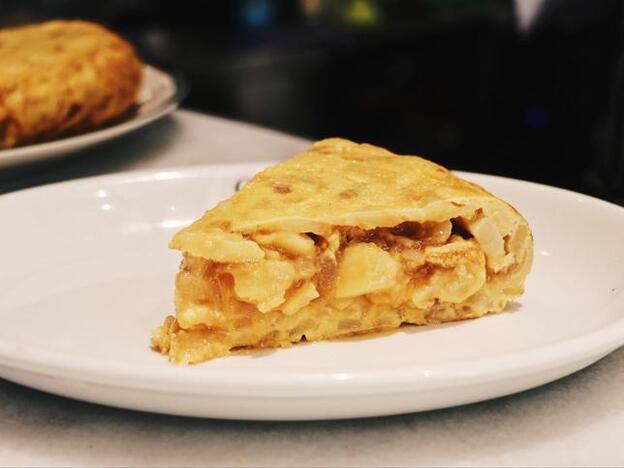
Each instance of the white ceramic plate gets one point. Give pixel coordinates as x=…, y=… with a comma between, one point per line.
x=159, y=95
x=86, y=275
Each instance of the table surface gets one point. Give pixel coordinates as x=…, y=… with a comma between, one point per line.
x=577, y=421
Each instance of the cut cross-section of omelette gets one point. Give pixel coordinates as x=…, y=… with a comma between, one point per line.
x=342, y=239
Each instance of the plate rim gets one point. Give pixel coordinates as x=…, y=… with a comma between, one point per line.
x=399, y=379
x=15, y=157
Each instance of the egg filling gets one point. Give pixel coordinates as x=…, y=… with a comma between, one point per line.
x=272, y=289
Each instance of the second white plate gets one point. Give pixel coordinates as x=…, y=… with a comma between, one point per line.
x=86, y=275
x=159, y=95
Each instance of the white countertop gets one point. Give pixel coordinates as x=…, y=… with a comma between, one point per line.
x=577, y=421
x=186, y=138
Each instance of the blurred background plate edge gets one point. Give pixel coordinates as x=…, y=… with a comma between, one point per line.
x=160, y=94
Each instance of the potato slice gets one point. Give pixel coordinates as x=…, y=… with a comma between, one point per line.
x=365, y=268
x=299, y=299
x=288, y=242
x=218, y=246
x=458, y=271
x=489, y=238
x=263, y=283
x=195, y=314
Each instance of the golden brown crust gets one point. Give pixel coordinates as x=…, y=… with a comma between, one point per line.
x=62, y=77
x=339, y=182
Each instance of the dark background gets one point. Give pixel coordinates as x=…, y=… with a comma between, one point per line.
x=458, y=81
